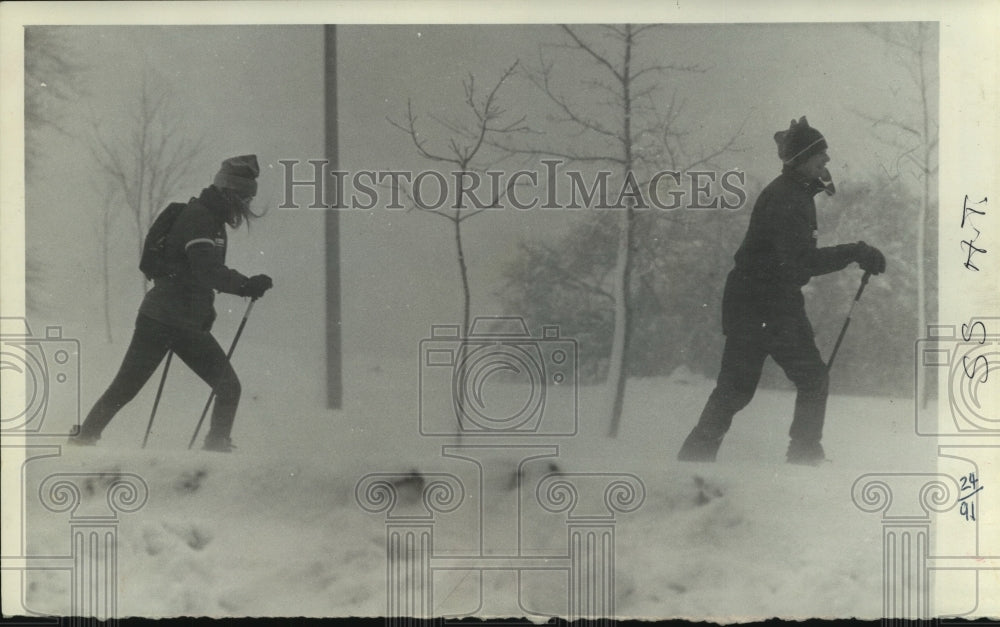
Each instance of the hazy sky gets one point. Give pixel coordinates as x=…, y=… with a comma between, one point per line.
x=259, y=89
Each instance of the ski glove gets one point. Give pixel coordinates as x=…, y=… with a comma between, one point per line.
x=870, y=258
x=255, y=286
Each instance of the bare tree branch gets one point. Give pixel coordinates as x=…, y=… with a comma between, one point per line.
x=885, y=120
x=465, y=146
x=152, y=160
x=411, y=130
x=602, y=60
x=571, y=115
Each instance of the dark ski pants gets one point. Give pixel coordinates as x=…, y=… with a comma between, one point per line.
x=150, y=343
x=742, y=364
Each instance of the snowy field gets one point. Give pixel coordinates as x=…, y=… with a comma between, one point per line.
x=276, y=529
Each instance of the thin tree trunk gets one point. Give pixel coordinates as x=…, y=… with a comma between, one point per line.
x=463, y=271
x=106, y=272
x=466, y=311
x=617, y=368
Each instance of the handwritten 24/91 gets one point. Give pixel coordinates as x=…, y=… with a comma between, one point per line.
x=968, y=483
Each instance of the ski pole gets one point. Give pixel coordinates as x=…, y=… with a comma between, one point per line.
x=229, y=355
x=156, y=402
x=843, y=330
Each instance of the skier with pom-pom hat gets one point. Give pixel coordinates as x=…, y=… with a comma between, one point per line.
x=763, y=310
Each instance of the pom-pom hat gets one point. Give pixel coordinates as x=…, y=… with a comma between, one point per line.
x=799, y=142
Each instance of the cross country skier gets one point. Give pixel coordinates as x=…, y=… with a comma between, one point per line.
x=177, y=313
x=763, y=311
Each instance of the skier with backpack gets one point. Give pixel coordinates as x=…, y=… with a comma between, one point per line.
x=763, y=310
x=184, y=255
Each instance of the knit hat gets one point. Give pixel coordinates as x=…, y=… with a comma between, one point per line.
x=239, y=174
x=799, y=142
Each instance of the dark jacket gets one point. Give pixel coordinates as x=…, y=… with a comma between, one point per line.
x=777, y=257
x=197, y=245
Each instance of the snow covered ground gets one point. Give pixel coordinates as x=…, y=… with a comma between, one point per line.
x=276, y=529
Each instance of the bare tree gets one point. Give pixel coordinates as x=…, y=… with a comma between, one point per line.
x=615, y=121
x=914, y=138
x=149, y=158
x=463, y=153
x=106, y=238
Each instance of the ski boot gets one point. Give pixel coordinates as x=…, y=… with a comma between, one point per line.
x=805, y=453
x=700, y=446
x=78, y=438
x=218, y=444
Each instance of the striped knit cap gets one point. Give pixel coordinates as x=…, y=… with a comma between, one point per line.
x=799, y=142
x=239, y=174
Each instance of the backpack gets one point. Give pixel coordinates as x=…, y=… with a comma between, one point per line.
x=153, y=262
